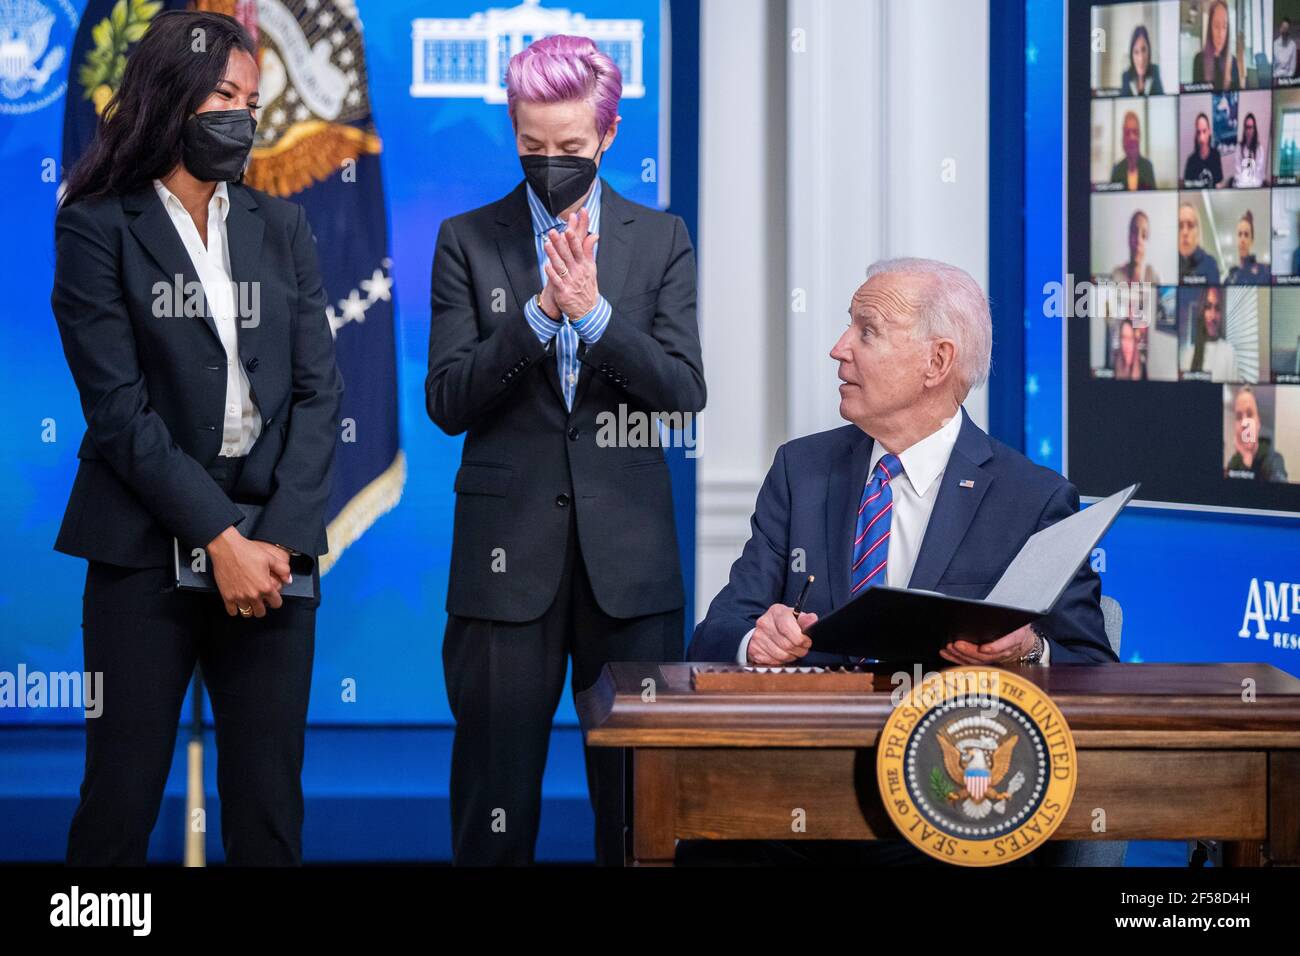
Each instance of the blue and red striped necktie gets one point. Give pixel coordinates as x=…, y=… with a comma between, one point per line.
x=871, y=532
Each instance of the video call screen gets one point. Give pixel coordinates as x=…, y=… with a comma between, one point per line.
x=1183, y=247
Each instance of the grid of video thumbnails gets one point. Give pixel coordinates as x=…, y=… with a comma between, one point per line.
x=1194, y=246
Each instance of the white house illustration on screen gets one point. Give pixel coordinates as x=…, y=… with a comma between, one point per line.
x=468, y=57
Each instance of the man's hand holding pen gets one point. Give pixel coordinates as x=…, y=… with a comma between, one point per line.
x=779, y=636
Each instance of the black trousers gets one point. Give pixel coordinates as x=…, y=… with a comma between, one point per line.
x=145, y=638
x=504, y=681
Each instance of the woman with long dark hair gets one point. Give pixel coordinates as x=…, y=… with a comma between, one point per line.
x=1129, y=362
x=1209, y=351
x=193, y=321
x=1252, y=157
x=1214, y=63
x=1142, y=78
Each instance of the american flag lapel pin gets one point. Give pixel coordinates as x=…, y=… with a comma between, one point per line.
x=966, y=483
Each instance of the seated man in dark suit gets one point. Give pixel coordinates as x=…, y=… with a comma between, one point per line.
x=910, y=494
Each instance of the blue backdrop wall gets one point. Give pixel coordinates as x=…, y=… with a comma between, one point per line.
x=377, y=758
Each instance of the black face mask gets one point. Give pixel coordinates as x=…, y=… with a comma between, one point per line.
x=559, y=181
x=215, y=144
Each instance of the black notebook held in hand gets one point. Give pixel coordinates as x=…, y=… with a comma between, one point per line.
x=898, y=624
x=184, y=559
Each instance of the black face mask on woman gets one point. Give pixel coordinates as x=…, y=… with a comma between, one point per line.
x=559, y=181
x=215, y=145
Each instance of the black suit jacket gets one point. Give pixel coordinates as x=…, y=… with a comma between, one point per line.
x=1146, y=173
x=1154, y=86
x=527, y=460
x=153, y=388
x=810, y=500
x=1228, y=79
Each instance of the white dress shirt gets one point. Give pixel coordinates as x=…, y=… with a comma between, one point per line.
x=1250, y=169
x=1284, y=58
x=915, y=492
x=242, y=422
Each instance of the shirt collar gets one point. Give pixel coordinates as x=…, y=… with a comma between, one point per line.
x=172, y=202
x=926, y=460
x=544, y=222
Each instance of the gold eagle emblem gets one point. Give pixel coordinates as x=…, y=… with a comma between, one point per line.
x=957, y=763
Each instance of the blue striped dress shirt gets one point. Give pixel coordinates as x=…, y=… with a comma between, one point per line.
x=570, y=332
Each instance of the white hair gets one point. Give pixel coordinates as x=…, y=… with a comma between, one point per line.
x=954, y=307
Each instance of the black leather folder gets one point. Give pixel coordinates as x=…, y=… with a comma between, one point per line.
x=899, y=624
x=185, y=560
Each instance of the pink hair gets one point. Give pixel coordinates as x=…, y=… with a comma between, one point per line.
x=560, y=68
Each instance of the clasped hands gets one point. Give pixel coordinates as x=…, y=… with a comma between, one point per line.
x=571, y=287
x=780, y=639
x=249, y=574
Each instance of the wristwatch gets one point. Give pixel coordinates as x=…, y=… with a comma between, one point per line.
x=541, y=309
x=1035, y=655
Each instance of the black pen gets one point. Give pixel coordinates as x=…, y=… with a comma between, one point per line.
x=798, y=605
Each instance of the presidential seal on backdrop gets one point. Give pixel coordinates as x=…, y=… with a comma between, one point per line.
x=976, y=766
x=33, y=44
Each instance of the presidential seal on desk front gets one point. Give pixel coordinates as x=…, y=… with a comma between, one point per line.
x=976, y=766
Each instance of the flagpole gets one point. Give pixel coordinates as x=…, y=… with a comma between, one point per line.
x=195, y=851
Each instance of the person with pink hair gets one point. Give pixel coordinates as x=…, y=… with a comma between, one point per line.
x=563, y=336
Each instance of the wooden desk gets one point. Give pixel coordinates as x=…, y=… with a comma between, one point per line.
x=1168, y=751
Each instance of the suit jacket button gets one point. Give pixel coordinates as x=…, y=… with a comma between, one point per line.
x=251, y=364
x=573, y=434
x=562, y=501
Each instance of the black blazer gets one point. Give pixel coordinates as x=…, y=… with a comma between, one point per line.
x=153, y=389
x=1154, y=86
x=1146, y=173
x=527, y=460
x=1228, y=79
